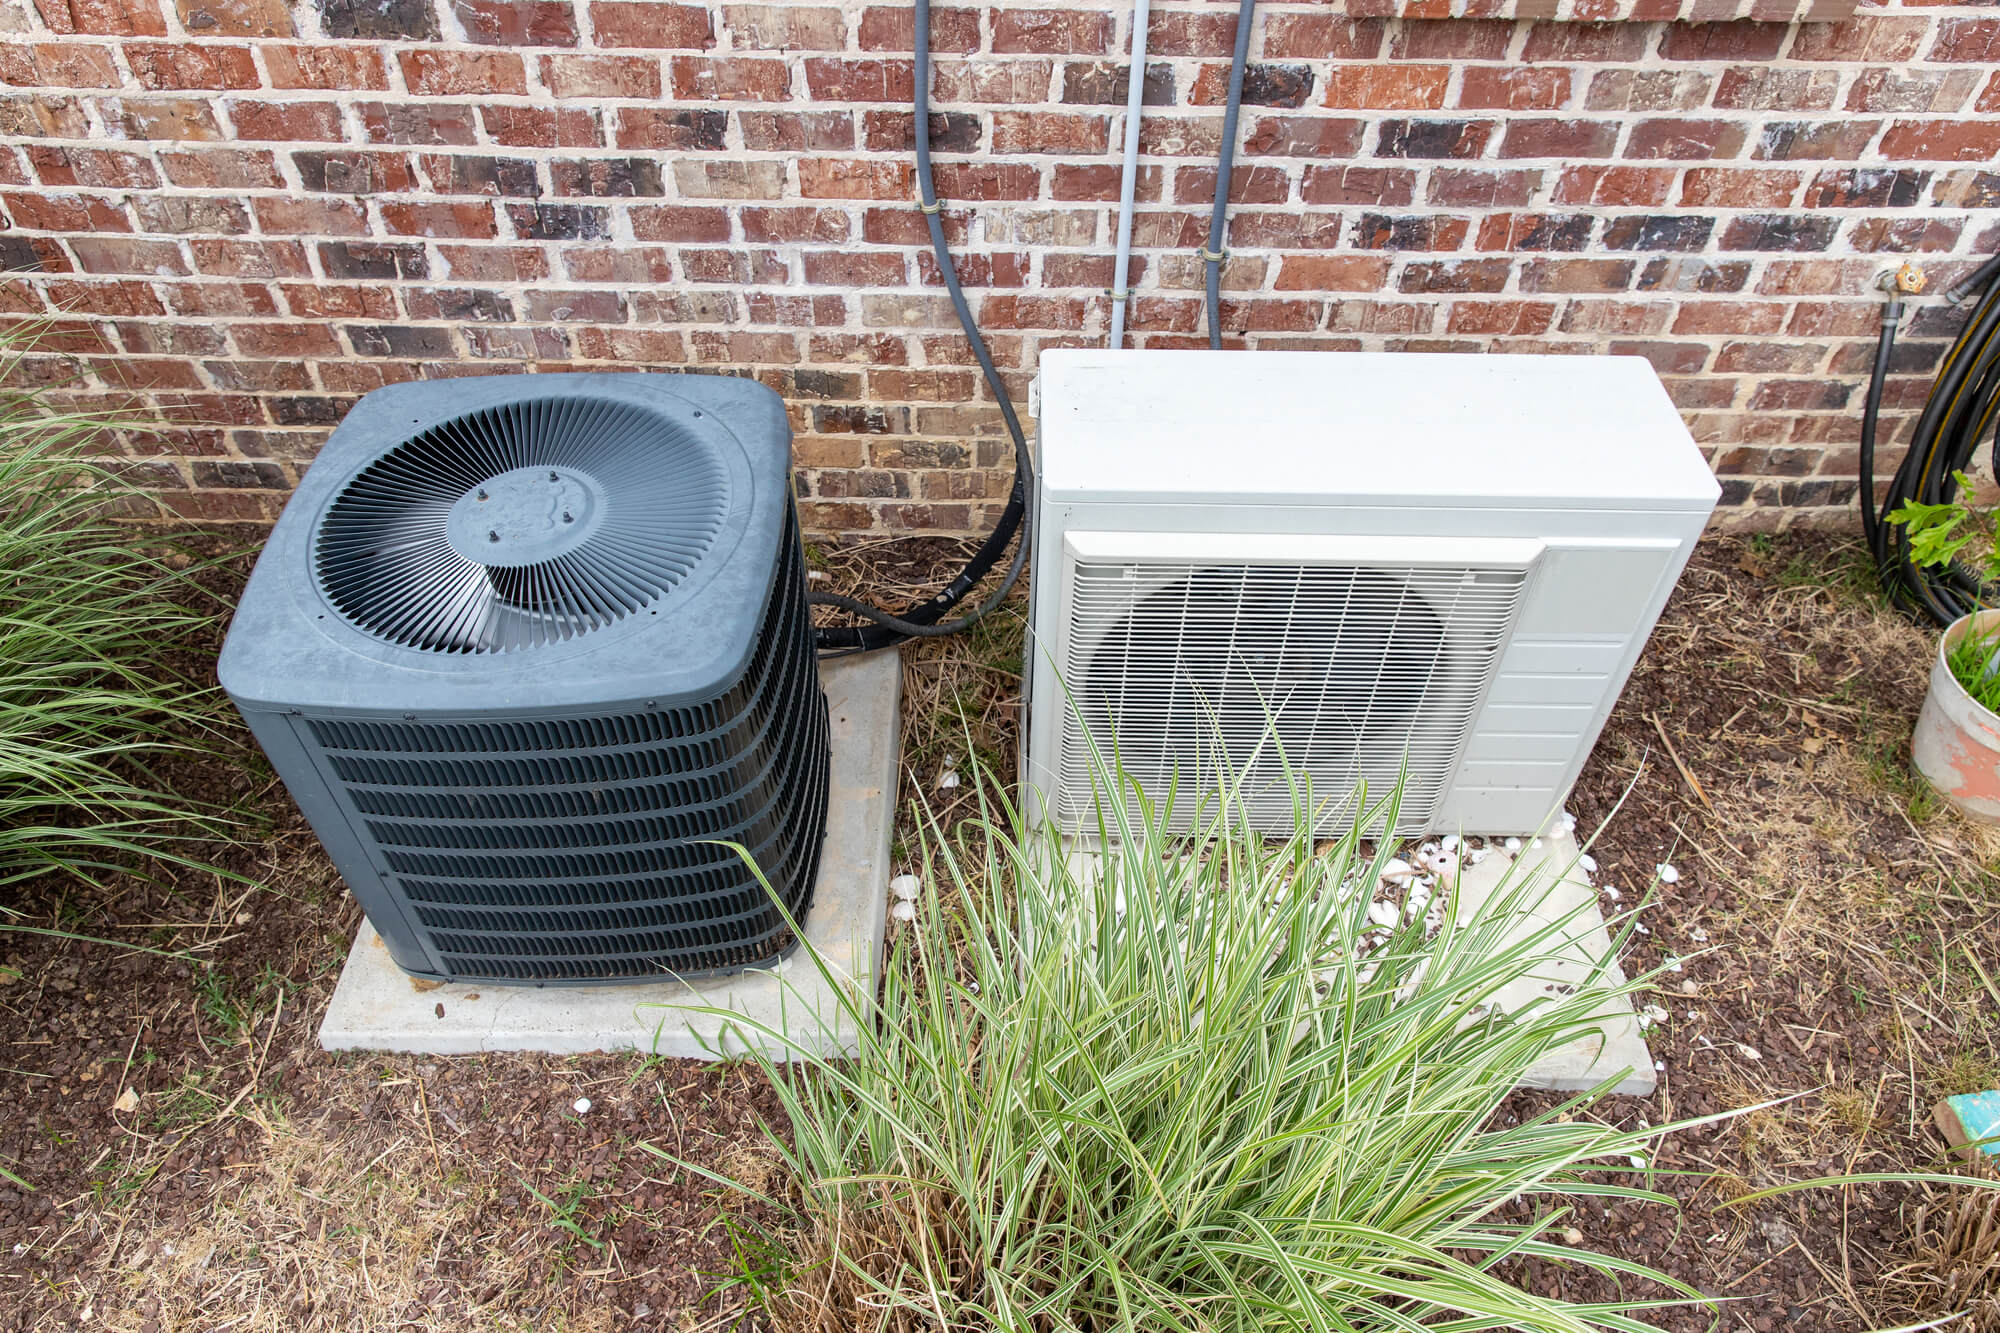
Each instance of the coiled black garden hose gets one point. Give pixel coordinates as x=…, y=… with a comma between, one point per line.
x=925, y=620
x=1959, y=412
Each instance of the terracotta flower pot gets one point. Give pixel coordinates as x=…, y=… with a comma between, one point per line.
x=1957, y=744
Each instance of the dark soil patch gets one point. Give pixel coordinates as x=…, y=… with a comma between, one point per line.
x=260, y=1183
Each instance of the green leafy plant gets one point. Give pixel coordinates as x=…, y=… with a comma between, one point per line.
x=1192, y=1083
x=88, y=609
x=1939, y=535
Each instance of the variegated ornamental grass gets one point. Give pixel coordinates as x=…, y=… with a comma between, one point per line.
x=1171, y=1092
x=89, y=611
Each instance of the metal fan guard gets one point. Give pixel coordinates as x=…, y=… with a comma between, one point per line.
x=522, y=525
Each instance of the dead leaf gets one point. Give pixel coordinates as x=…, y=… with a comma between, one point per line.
x=424, y=985
x=127, y=1103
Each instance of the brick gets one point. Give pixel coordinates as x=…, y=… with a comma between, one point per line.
x=169, y=119
x=248, y=259
x=93, y=167
x=1657, y=232
x=347, y=172
x=893, y=28
x=730, y=79
x=1466, y=187
x=390, y=19
x=602, y=76
x=516, y=22
x=184, y=214
x=1722, y=187
x=1107, y=83
x=1740, y=40
x=558, y=222
x=493, y=263
x=1769, y=88
x=1433, y=138
x=827, y=131
x=468, y=173
x=982, y=181
x=1387, y=187
x=1906, y=234
x=310, y=217
x=895, y=132
x=58, y=65
x=990, y=82
x=1707, y=317
x=854, y=268
x=830, y=79
x=1515, y=232
x=1501, y=317
x=1576, y=275
x=1564, y=138
x=1382, y=231
x=1688, y=140
x=1841, y=140
x=1100, y=182
x=846, y=178
x=1692, y=275
x=1976, y=40
x=372, y=260
x=118, y=254
x=120, y=18
x=1629, y=89
x=287, y=122
x=1451, y=39
x=1050, y=132
x=1916, y=90
x=780, y=226
x=1514, y=88
x=461, y=73
x=1303, y=136
x=679, y=130
x=1779, y=231
x=1867, y=187
x=160, y=66
x=677, y=223
x=1050, y=32
x=1941, y=141
x=1563, y=43
x=1247, y=185
x=1387, y=87
x=236, y=18
x=311, y=302
x=453, y=221
x=400, y=340
x=1295, y=36
x=325, y=67
x=624, y=177
x=1285, y=86
x=534, y=127
x=736, y=179
x=1456, y=276
x=64, y=212
x=786, y=27
x=668, y=27
x=43, y=116
x=1873, y=37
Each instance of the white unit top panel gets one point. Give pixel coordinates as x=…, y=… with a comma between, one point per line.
x=1423, y=429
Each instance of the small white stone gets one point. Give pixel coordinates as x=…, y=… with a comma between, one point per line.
x=20, y=1249
x=904, y=910
x=1674, y=965
x=1667, y=874
x=1566, y=821
x=947, y=779
x=1512, y=844
x=1748, y=1052
x=1659, y=1066
x=1639, y=927
x=1638, y=1162
x=1443, y=863
x=1613, y=894
x=1698, y=935
x=816, y=576
x=1690, y=987
x=582, y=1105
x=1652, y=1014
x=1382, y=914
x=906, y=887
x=1572, y=1237
x=1588, y=862
x=1449, y=842
x=1474, y=857
x=1534, y=844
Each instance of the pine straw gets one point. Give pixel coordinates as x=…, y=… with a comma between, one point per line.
x=1956, y=1267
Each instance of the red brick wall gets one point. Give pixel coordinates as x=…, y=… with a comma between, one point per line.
x=245, y=213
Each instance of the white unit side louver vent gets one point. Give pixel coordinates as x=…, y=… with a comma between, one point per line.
x=1324, y=573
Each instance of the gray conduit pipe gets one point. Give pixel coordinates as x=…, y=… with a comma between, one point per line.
x=1135, y=95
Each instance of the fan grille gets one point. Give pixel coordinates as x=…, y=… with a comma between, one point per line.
x=521, y=525
x=1341, y=674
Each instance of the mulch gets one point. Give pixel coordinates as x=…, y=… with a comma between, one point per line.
x=262, y=1183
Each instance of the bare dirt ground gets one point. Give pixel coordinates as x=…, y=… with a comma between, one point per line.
x=198, y=1163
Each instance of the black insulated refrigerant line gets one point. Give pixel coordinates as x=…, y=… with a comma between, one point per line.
x=1214, y=254
x=1960, y=412
x=925, y=620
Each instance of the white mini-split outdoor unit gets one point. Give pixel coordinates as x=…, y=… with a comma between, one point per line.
x=1355, y=567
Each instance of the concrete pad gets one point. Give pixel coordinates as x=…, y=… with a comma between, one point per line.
x=378, y=1007
x=1619, y=1045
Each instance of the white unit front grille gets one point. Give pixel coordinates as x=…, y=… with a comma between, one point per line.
x=1343, y=673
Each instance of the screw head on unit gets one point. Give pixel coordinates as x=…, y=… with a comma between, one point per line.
x=493, y=536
